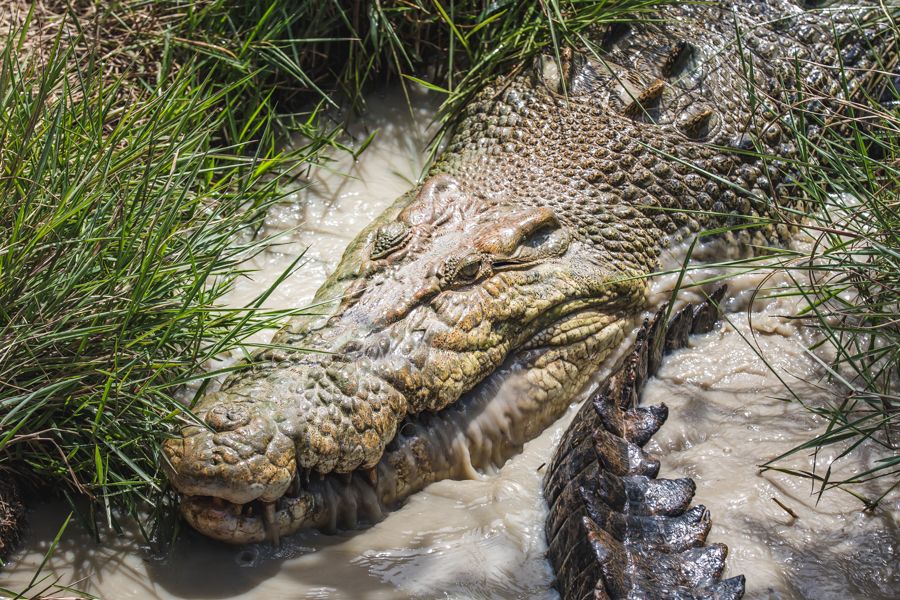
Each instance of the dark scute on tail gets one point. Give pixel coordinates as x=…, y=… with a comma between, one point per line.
x=614, y=530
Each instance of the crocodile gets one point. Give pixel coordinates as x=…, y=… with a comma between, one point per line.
x=519, y=265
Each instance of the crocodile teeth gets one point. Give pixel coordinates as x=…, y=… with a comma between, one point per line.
x=294, y=488
x=372, y=476
x=268, y=517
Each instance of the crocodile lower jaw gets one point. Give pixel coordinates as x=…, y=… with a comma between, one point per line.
x=310, y=502
x=245, y=523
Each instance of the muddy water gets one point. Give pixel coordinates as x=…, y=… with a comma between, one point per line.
x=729, y=414
x=483, y=538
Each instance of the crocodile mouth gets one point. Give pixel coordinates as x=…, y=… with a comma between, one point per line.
x=311, y=501
x=426, y=446
x=244, y=472
x=252, y=522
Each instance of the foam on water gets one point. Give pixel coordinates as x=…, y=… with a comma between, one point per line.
x=483, y=537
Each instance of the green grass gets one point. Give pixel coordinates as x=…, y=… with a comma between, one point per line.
x=848, y=284
x=121, y=227
x=335, y=50
x=848, y=281
x=308, y=62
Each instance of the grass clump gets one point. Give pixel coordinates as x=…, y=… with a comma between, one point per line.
x=307, y=63
x=334, y=50
x=848, y=284
x=120, y=228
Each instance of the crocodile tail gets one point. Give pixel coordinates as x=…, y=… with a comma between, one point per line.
x=614, y=530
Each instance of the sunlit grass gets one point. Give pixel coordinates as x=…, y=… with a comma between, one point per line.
x=335, y=50
x=848, y=284
x=121, y=227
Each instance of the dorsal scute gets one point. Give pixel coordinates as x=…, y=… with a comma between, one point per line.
x=688, y=70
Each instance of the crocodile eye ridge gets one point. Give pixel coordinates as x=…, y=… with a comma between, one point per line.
x=389, y=238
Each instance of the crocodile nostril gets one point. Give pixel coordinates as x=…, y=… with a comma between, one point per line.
x=351, y=346
x=226, y=417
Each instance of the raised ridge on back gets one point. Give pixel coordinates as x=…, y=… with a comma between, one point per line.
x=613, y=530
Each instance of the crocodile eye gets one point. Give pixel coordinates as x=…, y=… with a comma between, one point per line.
x=468, y=270
x=389, y=238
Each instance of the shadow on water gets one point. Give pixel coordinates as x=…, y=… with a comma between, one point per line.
x=202, y=568
x=121, y=567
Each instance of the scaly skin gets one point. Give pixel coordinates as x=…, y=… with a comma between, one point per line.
x=527, y=244
x=614, y=530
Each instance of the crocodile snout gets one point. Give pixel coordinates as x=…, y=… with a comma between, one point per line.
x=241, y=457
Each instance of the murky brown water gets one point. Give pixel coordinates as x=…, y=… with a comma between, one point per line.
x=483, y=538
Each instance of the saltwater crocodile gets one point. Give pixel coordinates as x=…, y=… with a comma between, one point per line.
x=517, y=267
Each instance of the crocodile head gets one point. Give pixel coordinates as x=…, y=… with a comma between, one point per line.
x=430, y=299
